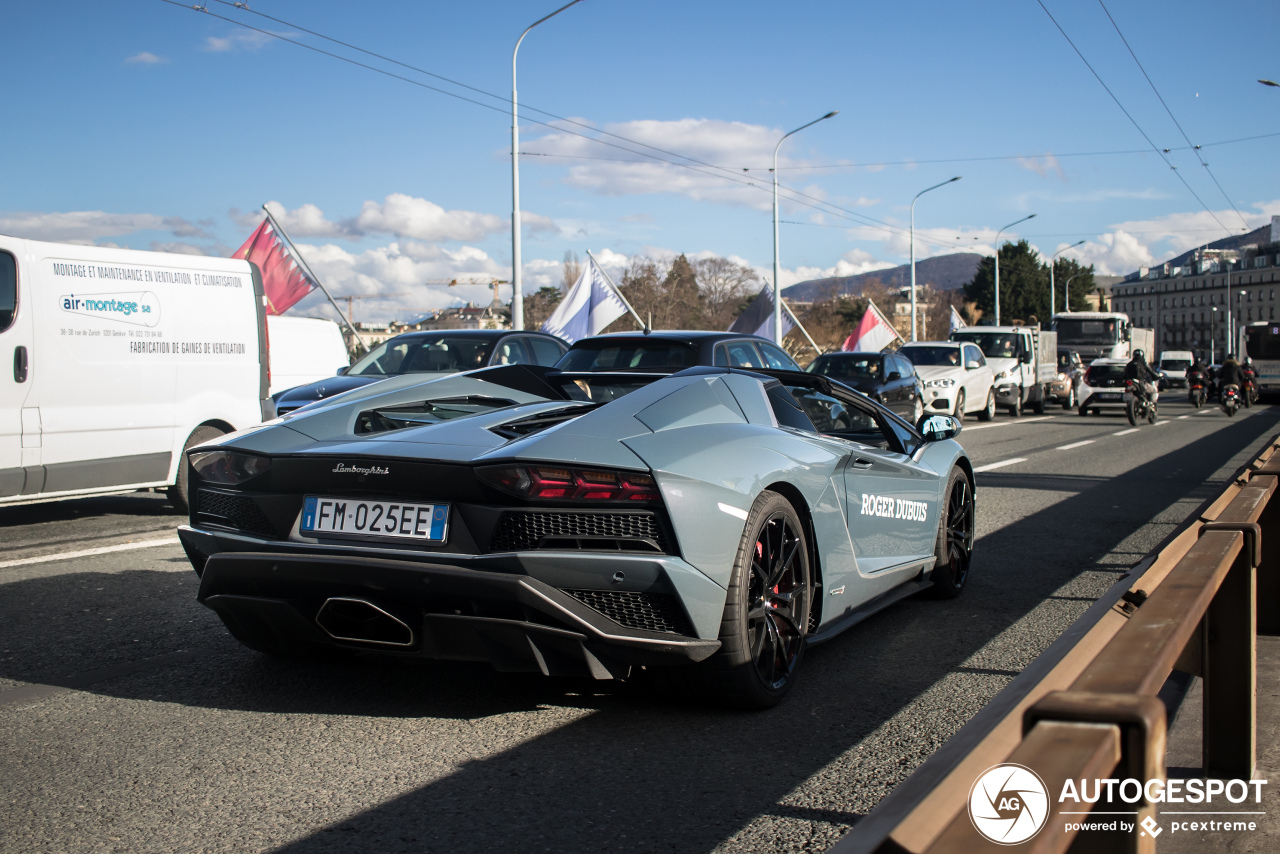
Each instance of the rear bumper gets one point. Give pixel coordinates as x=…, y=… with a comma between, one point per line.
x=1092, y=402
x=457, y=608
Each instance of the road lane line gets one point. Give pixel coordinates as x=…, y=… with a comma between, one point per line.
x=1076, y=445
x=999, y=465
x=101, y=550
x=1126, y=432
x=1007, y=423
x=1204, y=412
x=1183, y=417
x=1159, y=423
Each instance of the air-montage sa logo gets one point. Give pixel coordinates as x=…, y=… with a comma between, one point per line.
x=1009, y=804
x=136, y=308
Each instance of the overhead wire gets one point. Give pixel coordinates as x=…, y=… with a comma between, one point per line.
x=1131, y=119
x=1195, y=148
x=791, y=194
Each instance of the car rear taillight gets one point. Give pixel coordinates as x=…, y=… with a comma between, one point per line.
x=560, y=483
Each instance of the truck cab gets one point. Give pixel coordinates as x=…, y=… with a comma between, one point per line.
x=1023, y=359
x=1095, y=334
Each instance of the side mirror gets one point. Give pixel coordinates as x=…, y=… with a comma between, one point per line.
x=893, y=375
x=939, y=427
x=1128, y=333
x=342, y=371
x=972, y=365
x=1024, y=358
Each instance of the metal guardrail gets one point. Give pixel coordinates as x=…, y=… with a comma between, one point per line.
x=1088, y=708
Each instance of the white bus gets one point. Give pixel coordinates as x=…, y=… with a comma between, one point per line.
x=1262, y=344
x=120, y=360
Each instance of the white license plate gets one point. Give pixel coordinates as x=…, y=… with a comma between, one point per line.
x=1109, y=397
x=386, y=519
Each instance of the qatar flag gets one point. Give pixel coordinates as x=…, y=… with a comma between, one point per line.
x=873, y=334
x=283, y=280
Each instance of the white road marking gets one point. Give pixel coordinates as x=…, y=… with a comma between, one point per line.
x=1126, y=432
x=1007, y=423
x=1183, y=417
x=999, y=465
x=1159, y=423
x=101, y=550
x=1076, y=445
x=1204, y=412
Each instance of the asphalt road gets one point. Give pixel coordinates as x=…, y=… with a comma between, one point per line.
x=132, y=722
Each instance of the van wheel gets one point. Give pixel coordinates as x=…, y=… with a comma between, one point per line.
x=178, y=492
x=1038, y=406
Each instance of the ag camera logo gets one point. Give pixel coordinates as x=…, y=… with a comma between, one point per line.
x=1009, y=804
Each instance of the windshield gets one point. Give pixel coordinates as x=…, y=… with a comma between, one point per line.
x=612, y=354
x=863, y=366
x=1064, y=362
x=1100, y=374
x=945, y=356
x=994, y=345
x=1174, y=364
x=1262, y=342
x=1073, y=331
x=425, y=354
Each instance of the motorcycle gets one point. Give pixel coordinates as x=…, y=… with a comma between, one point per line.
x=1196, y=393
x=1249, y=394
x=1230, y=400
x=1138, y=404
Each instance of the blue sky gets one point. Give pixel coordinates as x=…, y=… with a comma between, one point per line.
x=150, y=125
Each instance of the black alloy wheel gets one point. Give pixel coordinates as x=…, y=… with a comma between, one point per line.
x=766, y=610
x=954, y=548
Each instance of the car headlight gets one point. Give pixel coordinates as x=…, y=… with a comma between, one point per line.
x=1062, y=377
x=942, y=383
x=1004, y=375
x=227, y=467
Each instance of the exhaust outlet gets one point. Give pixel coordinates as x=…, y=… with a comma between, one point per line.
x=362, y=622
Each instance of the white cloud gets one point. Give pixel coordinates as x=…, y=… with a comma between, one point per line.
x=732, y=145
x=1042, y=166
x=239, y=40
x=146, y=58
x=94, y=226
x=403, y=216
x=931, y=241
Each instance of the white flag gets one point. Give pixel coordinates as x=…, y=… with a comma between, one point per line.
x=957, y=322
x=588, y=308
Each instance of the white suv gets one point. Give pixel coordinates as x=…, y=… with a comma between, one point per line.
x=956, y=377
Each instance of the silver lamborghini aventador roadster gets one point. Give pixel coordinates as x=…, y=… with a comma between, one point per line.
x=706, y=525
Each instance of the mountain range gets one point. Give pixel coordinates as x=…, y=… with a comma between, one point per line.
x=943, y=272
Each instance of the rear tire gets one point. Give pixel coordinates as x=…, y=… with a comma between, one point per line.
x=1131, y=411
x=1038, y=406
x=766, y=610
x=178, y=492
x=954, y=546
x=1083, y=411
x=989, y=411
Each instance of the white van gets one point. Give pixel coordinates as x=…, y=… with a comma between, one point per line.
x=303, y=350
x=121, y=359
x=1174, y=364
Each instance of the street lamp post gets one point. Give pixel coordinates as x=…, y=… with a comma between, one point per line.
x=1066, y=293
x=1213, y=333
x=777, y=284
x=517, y=277
x=913, y=250
x=1235, y=342
x=998, y=233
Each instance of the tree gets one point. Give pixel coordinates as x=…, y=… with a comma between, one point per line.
x=726, y=288
x=572, y=269
x=539, y=306
x=1024, y=284
x=1082, y=283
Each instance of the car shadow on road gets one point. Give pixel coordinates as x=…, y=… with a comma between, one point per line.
x=642, y=772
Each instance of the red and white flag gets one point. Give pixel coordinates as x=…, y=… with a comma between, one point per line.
x=283, y=280
x=873, y=334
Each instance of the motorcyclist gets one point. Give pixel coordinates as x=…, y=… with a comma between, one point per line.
x=1230, y=375
x=1197, y=373
x=1141, y=374
x=1248, y=373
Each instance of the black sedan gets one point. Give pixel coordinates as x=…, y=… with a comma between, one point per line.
x=668, y=351
x=885, y=377
x=435, y=352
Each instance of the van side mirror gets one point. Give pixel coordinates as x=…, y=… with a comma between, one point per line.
x=342, y=371
x=1128, y=333
x=1024, y=358
x=936, y=428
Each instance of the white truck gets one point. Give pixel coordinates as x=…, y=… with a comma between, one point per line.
x=303, y=350
x=1024, y=360
x=1102, y=335
x=121, y=360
